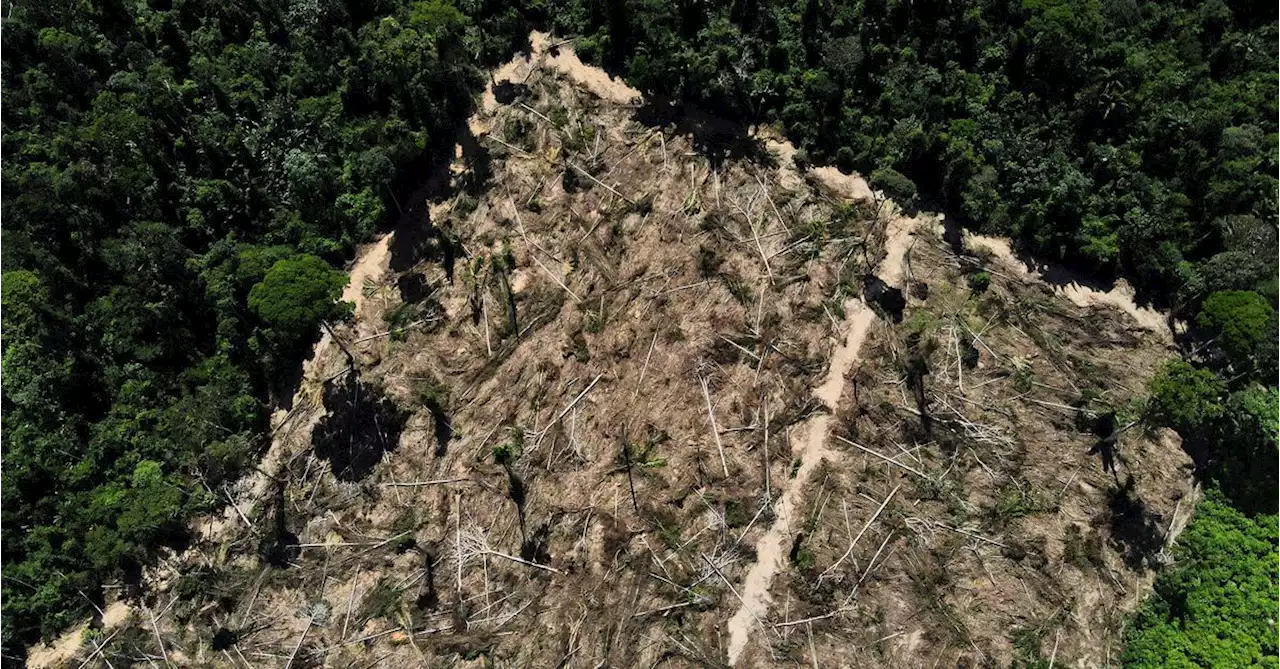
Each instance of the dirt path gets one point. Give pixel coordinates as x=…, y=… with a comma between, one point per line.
x=772, y=547
x=1120, y=296
x=64, y=649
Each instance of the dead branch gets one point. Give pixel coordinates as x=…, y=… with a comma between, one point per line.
x=513, y=148
x=351, y=600
x=572, y=404
x=662, y=610
x=792, y=623
x=555, y=278
x=390, y=332
x=755, y=234
x=601, y=183
x=883, y=457
x=735, y=593
x=155, y=627
x=419, y=484
x=521, y=561
x=645, y=368
x=102, y=646
x=537, y=113
x=860, y=533
x=706, y=394
x=871, y=564
x=973, y=535
x=310, y=621
x=738, y=346
x=236, y=507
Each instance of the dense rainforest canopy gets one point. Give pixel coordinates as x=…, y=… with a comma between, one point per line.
x=180, y=175
x=179, y=180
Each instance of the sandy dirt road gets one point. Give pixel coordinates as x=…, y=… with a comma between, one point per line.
x=812, y=449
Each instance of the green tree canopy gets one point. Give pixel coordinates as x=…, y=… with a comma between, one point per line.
x=1217, y=606
x=297, y=295
x=1242, y=324
x=895, y=185
x=1247, y=448
x=1184, y=398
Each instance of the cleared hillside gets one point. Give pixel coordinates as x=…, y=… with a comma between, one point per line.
x=587, y=394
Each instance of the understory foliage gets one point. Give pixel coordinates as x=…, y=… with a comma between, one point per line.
x=179, y=181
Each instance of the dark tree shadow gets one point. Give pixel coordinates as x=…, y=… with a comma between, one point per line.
x=224, y=639
x=1245, y=472
x=509, y=92
x=917, y=367
x=953, y=234
x=361, y=426
x=1105, y=449
x=716, y=138
x=279, y=546
x=1102, y=425
x=417, y=237
x=1136, y=531
x=414, y=287
x=536, y=547
x=885, y=299
x=440, y=421
x=429, y=600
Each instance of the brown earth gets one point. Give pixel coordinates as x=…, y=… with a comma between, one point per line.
x=592, y=407
x=997, y=534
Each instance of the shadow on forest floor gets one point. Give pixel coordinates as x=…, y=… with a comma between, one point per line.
x=714, y=137
x=1136, y=531
x=362, y=425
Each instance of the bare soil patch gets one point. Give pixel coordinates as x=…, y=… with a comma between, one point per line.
x=624, y=391
x=975, y=510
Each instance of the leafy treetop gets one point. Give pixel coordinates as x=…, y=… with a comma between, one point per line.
x=298, y=294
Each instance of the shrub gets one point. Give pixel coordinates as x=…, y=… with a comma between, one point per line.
x=895, y=185
x=979, y=282
x=1242, y=324
x=1184, y=398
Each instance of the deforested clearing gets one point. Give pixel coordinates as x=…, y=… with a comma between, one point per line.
x=579, y=381
x=990, y=498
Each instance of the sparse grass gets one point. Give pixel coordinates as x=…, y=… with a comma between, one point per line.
x=1082, y=551
x=405, y=524
x=509, y=451
x=709, y=261
x=464, y=205
x=739, y=289
x=921, y=322
x=805, y=560
x=433, y=394
x=645, y=454
x=737, y=514
x=1018, y=499
x=380, y=602
x=1023, y=376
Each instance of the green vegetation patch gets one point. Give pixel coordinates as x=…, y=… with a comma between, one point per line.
x=1217, y=606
